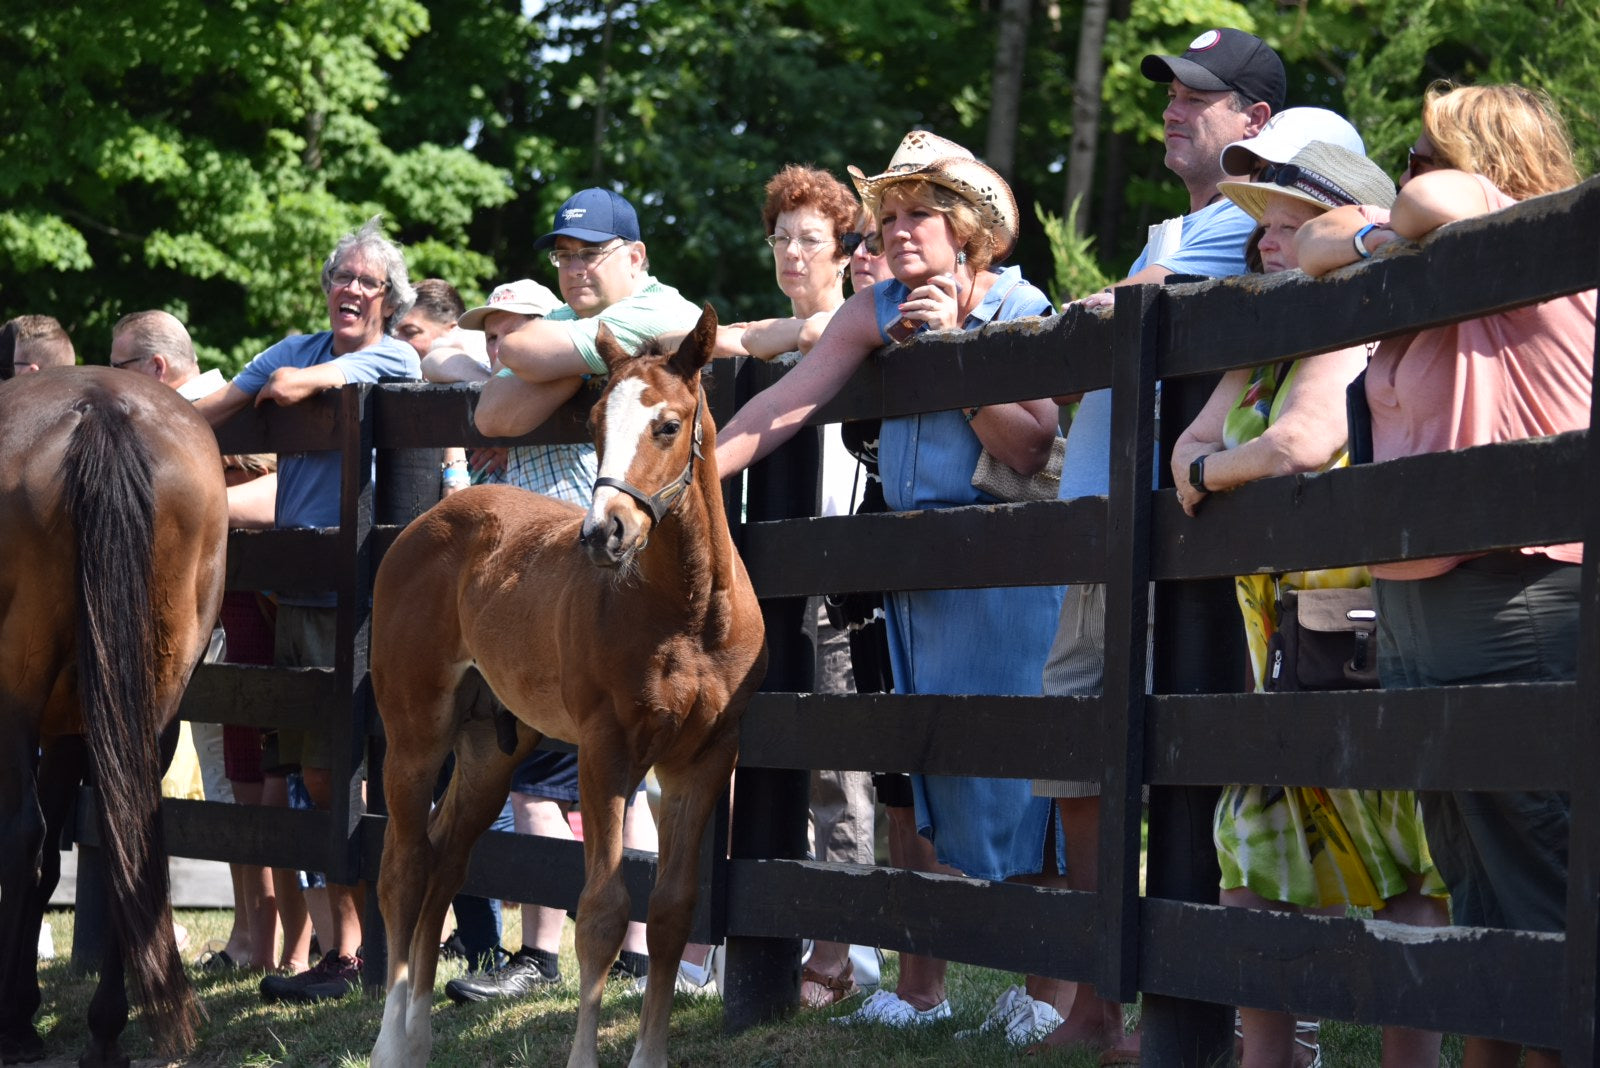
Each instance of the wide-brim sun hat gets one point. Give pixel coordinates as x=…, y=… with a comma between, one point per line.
x=1328, y=176
x=522, y=297
x=931, y=158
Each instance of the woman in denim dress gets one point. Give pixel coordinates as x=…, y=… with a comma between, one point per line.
x=944, y=219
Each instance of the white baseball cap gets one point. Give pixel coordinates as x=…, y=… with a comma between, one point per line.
x=522, y=297
x=1286, y=133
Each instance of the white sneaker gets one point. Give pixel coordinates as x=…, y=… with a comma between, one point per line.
x=1023, y=1019
x=868, y=971
x=887, y=1008
x=691, y=979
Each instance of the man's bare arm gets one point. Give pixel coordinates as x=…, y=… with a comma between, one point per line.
x=508, y=407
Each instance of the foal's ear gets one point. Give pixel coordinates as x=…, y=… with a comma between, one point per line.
x=614, y=355
x=696, y=348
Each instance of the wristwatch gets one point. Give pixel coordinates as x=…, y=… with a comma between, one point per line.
x=1197, y=474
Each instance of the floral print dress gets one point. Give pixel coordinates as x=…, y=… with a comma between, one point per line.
x=1306, y=845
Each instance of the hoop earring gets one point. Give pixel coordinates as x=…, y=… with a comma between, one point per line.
x=961, y=258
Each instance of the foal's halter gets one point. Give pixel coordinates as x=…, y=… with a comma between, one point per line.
x=664, y=500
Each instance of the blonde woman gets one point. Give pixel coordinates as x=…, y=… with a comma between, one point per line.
x=1508, y=616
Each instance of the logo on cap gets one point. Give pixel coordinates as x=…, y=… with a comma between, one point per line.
x=573, y=213
x=1206, y=40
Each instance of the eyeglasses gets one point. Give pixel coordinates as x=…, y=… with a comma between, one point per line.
x=1420, y=162
x=808, y=245
x=587, y=258
x=362, y=282
x=1292, y=176
x=120, y=364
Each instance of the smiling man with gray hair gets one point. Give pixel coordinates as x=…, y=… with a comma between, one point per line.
x=367, y=291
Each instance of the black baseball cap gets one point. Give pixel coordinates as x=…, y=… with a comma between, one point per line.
x=1225, y=59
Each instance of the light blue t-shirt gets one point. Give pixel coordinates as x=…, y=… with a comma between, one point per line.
x=1212, y=245
x=308, y=482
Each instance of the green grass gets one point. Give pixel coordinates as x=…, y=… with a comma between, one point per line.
x=241, y=1032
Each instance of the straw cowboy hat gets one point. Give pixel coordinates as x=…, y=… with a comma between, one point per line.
x=941, y=161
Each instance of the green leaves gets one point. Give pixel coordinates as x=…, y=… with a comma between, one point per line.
x=33, y=241
x=204, y=155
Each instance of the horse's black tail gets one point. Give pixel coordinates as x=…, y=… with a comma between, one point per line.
x=110, y=499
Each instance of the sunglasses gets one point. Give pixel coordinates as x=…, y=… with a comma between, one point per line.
x=1291, y=176
x=852, y=241
x=1420, y=162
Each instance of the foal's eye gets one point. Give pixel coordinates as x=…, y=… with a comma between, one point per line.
x=669, y=428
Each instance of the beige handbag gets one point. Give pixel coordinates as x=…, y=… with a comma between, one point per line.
x=995, y=478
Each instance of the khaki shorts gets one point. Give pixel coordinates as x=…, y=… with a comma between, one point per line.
x=1076, y=667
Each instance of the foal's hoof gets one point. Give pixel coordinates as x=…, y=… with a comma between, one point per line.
x=103, y=1058
x=21, y=1046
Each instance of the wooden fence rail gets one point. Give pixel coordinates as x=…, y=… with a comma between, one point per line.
x=1187, y=956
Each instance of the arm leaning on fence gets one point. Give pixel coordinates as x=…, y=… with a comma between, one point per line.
x=774, y=415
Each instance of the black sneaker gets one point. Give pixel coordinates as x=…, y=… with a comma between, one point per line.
x=453, y=948
x=331, y=977
x=526, y=971
x=628, y=966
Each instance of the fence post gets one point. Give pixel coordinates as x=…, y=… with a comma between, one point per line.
x=347, y=742
x=407, y=484
x=770, y=805
x=1199, y=644
x=1583, y=850
x=91, y=897
x=1127, y=580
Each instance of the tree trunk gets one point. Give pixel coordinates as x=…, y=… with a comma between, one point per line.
x=1005, y=95
x=1086, y=111
x=602, y=84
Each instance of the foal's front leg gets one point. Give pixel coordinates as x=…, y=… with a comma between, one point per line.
x=689, y=795
x=603, y=907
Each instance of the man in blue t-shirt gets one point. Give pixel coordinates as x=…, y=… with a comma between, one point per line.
x=1223, y=89
x=367, y=290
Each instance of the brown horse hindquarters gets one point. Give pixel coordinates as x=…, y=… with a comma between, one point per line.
x=114, y=486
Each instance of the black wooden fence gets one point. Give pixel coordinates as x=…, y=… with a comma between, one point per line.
x=1173, y=945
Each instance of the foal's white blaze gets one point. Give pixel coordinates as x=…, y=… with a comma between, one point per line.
x=628, y=419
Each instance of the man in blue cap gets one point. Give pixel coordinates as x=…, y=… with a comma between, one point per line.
x=603, y=273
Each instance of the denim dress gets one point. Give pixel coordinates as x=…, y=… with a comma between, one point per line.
x=987, y=641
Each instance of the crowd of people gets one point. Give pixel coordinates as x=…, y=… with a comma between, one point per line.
x=923, y=243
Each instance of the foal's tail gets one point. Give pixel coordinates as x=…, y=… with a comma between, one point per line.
x=110, y=499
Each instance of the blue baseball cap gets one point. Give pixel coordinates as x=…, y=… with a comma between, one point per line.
x=593, y=216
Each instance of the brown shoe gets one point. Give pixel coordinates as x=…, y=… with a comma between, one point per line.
x=818, y=991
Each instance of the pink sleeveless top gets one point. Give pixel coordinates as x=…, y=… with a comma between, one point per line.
x=1520, y=374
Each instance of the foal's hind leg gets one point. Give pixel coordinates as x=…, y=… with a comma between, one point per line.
x=420, y=733
x=429, y=865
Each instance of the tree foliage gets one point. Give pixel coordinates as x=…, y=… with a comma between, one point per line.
x=202, y=156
